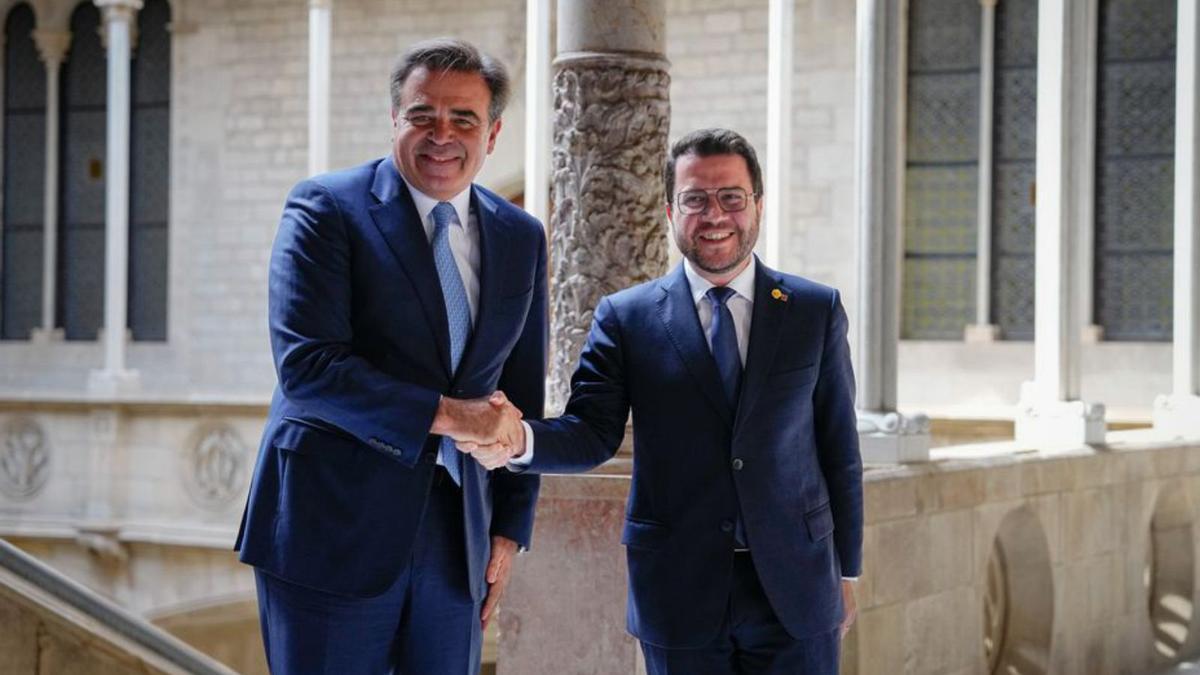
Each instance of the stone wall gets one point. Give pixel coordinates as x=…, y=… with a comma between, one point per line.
x=1095, y=575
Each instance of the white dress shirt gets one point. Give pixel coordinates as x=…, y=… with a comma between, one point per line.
x=464, y=244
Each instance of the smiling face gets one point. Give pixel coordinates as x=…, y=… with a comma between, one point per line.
x=441, y=132
x=717, y=243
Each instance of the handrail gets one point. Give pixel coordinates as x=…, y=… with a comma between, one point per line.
x=116, y=618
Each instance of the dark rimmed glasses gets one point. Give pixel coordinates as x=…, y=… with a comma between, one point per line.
x=730, y=199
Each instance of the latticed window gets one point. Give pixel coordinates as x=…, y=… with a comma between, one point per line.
x=81, y=179
x=1135, y=162
x=941, y=222
x=942, y=169
x=24, y=170
x=149, y=182
x=1014, y=168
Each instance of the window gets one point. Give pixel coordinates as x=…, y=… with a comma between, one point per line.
x=149, y=177
x=24, y=171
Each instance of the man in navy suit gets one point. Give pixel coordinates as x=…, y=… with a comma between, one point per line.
x=401, y=298
x=744, y=525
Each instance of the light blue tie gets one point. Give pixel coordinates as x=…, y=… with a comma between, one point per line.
x=458, y=313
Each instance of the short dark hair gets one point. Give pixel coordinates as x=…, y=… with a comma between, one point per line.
x=709, y=142
x=453, y=54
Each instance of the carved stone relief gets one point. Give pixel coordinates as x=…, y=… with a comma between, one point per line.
x=216, y=467
x=24, y=459
x=608, y=232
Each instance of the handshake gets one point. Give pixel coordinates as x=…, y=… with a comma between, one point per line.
x=489, y=429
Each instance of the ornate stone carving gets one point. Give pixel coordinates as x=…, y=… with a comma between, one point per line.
x=24, y=459
x=608, y=232
x=215, y=469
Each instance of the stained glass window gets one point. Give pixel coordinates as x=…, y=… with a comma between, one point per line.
x=1135, y=164
x=941, y=172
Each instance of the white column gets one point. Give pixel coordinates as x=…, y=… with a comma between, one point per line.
x=885, y=434
x=1050, y=412
x=1085, y=216
x=777, y=183
x=52, y=46
x=983, y=330
x=1179, y=413
x=537, y=109
x=118, y=17
x=320, y=27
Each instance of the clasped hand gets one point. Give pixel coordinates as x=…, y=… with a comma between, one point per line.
x=489, y=429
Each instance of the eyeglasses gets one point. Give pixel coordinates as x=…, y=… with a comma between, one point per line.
x=730, y=199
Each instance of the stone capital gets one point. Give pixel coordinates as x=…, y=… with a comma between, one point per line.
x=320, y=4
x=118, y=10
x=1052, y=424
x=988, y=4
x=52, y=46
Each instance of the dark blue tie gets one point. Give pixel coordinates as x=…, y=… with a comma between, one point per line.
x=458, y=314
x=722, y=339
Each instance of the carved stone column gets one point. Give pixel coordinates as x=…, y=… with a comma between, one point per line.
x=611, y=118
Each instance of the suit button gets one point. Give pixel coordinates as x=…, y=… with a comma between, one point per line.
x=727, y=526
x=737, y=464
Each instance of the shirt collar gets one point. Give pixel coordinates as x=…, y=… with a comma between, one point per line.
x=424, y=203
x=742, y=284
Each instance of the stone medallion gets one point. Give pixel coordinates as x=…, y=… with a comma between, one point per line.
x=24, y=459
x=215, y=468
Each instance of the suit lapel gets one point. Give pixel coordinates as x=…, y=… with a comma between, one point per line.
x=678, y=313
x=493, y=238
x=765, y=323
x=398, y=222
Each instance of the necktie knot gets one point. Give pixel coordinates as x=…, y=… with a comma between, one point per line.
x=718, y=295
x=443, y=215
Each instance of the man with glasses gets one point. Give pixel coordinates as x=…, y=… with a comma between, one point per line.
x=744, y=525
x=402, y=296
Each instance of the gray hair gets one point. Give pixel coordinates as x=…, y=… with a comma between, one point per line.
x=457, y=55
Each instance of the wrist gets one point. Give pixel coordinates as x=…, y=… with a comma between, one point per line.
x=443, y=418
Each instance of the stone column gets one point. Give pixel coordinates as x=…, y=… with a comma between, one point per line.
x=1049, y=412
x=886, y=435
x=537, y=109
x=1179, y=413
x=611, y=117
x=983, y=330
x=52, y=47
x=319, y=38
x=778, y=184
x=118, y=17
x=1085, y=166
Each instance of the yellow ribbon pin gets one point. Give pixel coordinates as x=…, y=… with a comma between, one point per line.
x=779, y=295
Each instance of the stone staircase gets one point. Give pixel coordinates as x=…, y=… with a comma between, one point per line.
x=50, y=624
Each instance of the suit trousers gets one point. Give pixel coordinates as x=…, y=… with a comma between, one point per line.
x=751, y=640
x=425, y=623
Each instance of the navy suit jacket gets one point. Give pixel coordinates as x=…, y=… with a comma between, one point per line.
x=788, y=455
x=362, y=350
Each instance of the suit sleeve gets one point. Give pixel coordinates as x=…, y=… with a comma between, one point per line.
x=591, y=428
x=523, y=381
x=309, y=302
x=836, y=429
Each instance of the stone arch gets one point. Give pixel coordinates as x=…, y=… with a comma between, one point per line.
x=1019, y=597
x=1169, y=574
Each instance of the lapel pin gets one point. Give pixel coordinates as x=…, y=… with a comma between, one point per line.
x=779, y=295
